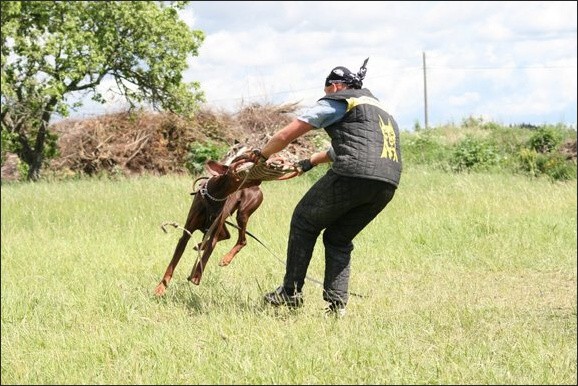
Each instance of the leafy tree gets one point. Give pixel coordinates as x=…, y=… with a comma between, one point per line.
x=52, y=49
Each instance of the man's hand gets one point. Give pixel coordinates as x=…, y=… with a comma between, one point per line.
x=305, y=165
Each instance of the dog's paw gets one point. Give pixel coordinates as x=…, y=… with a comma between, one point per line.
x=160, y=289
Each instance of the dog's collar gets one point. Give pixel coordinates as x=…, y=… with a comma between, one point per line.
x=205, y=192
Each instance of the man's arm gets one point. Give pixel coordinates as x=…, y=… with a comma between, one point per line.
x=314, y=160
x=285, y=136
x=320, y=157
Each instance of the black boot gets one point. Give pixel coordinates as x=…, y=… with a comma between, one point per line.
x=282, y=297
x=336, y=310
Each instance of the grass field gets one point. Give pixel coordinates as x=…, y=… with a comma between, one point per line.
x=466, y=279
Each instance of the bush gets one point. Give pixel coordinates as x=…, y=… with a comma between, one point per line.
x=473, y=154
x=556, y=167
x=545, y=140
x=528, y=161
x=199, y=153
x=424, y=149
x=486, y=146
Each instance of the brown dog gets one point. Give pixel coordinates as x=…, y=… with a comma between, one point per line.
x=219, y=197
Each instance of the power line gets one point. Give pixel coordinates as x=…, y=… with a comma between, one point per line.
x=502, y=68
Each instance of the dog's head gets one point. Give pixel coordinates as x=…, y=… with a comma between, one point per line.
x=233, y=176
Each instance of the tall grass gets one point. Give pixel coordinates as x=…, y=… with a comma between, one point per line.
x=466, y=279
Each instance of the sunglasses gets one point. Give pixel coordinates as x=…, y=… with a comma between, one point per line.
x=330, y=82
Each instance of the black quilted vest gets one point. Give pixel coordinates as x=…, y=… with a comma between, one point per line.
x=366, y=140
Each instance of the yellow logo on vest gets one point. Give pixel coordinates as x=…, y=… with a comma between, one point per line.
x=389, y=140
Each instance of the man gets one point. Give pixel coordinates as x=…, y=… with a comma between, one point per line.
x=365, y=172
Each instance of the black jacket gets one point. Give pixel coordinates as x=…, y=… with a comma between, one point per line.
x=366, y=140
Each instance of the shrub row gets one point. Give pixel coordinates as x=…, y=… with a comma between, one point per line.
x=537, y=151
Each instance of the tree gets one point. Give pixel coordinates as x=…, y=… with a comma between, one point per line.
x=52, y=49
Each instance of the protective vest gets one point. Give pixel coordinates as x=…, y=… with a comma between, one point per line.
x=366, y=140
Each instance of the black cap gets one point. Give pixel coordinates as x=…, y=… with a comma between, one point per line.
x=339, y=74
x=342, y=74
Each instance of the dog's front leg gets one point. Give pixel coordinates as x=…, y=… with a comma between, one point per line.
x=180, y=248
x=199, y=267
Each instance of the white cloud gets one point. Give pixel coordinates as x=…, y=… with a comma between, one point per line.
x=464, y=99
x=515, y=61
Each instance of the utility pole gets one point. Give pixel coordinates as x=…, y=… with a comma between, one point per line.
x=424, y=90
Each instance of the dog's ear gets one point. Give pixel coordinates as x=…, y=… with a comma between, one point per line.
x=215, y=168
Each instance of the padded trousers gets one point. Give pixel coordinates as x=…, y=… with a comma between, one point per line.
x=340, y=207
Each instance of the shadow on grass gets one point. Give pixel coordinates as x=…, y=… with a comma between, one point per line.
x=179, y=293
x=213, y=296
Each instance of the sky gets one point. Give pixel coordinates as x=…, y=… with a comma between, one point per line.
x=504, y=62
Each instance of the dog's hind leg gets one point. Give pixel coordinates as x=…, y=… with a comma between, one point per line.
x=251, y=199
x=241, y=242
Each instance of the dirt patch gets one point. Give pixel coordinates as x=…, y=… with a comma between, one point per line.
x=568, y=149
x=10, y=168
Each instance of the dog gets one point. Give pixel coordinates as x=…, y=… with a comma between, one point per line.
x=221, y=195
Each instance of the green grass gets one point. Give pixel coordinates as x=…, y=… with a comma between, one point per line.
x=467, y=279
